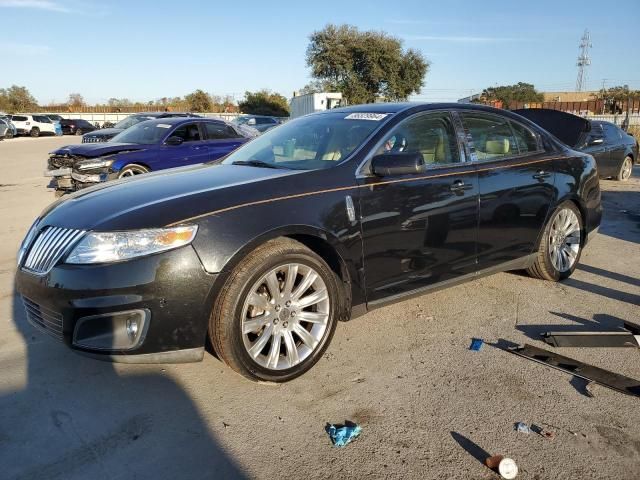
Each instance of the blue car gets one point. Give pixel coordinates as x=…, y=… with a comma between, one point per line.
x=145, y=147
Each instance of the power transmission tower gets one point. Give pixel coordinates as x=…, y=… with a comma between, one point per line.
x=583, y=60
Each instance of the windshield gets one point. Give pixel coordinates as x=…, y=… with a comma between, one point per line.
x=130, y=121
x=309, y=143
x=241, y=120
x=143, y=133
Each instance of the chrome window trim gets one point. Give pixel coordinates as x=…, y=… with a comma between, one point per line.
x=361, y=173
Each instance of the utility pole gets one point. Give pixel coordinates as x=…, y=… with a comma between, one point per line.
x=583, y=60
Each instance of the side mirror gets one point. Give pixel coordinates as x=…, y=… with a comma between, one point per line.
x=174, y=141
x=388, y=164
x=251, y=121
x=596, y=141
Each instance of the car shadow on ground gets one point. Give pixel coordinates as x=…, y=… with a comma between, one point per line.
x=77, y=417
x=621, y=212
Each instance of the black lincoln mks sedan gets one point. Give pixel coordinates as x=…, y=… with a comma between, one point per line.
x=319, y=220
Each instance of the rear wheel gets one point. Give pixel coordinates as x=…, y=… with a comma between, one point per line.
x=35, y=132
x=79, y=131
x=560, y=246
x=277, y=312
x=8, y=135
x=626, y=169
x=132, y=170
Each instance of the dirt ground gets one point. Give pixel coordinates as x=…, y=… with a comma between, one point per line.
x=429, y=407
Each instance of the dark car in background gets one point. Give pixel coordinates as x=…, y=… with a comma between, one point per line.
x=319, y=220
x=76, y=126
x=145, y=147
x=614, y=149
x=106, y=134
x=262, y=123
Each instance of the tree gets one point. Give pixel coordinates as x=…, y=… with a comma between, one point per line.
x=16, y=99
x=119, y=102
x=264, y=102
x=198, y=101
x=365, y=66
x=520, y=92
x=75, y=100
x=315, y=86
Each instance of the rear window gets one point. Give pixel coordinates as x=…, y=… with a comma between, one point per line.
x=220, y=131
x=19, y=118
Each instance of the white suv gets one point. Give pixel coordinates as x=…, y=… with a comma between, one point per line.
x=33, y=125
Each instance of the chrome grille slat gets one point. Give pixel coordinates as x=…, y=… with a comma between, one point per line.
x=49, y=246
x=50, y=323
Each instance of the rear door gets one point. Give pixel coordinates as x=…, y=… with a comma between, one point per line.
x=193, y=148
x=222, y=139
x=595, y=145
x=515, y=176
x=419, y=229
x=616, y=148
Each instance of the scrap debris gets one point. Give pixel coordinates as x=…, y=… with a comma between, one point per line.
x=628, y=336
x=588, y=372
x=543, y=432
x=506, y=467
x=476, y=344
x=342, y=435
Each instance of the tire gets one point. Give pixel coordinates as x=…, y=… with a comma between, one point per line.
x=270, y=349
x=35, y=132
x=557, y=258
x=132, y=170
x=79, y=131
x=626, y=169
x=9, y=135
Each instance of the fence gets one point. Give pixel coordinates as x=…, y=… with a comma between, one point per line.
x=102, y=118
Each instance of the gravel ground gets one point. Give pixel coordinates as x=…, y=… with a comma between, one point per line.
x=429, y=407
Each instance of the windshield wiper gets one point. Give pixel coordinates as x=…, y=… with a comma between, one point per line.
x=256, y=163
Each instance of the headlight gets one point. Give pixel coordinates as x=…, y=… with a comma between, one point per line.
x=91, y=164
x=105, y=247
x=27, y=240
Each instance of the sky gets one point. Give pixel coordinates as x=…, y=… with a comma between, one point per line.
x=144, y=50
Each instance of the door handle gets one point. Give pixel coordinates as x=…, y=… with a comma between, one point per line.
x=459, y=186
x=541, y=175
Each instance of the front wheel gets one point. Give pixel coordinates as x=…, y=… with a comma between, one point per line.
x=132, y=170
x=35, y=132
x=626, y=169
x=276, y=313
x=79, y=131
x=560, y=246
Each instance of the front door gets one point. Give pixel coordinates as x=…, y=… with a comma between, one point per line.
x=419, y=229
x=192, y=150
x=596, y=145
x=515, y=176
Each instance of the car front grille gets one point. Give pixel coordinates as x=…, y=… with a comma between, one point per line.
x=50, y=244
x=86, y=139
x=43, y=318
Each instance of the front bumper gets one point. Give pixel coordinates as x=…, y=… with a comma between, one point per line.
x=172, y=286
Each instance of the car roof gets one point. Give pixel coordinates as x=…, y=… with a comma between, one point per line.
x=403, y=106
x=178, y=120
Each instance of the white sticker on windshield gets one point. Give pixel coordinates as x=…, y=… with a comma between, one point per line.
x=163, y=125
x=376, y=117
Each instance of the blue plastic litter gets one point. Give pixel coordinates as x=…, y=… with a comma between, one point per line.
x=476, y=344
x=342, y=435
x=523, y=427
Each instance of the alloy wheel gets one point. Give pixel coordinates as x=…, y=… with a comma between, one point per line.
x=131, y=171
x=564, y=240
x=285, y=316
x=627, y=168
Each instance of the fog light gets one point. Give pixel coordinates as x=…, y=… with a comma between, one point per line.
x=112, y=331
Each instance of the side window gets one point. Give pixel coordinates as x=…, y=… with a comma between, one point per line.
x=525, y=138
x=432, y=135
x=188, y=132
x=492, y=137
x=612, y=133
x=220, y=131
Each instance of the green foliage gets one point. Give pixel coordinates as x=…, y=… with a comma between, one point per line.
x=520, y=92
x=198, y=101
x=16, y=99
x=617, y=94
x=264, y=102
x=315, y=86
x=365, y=66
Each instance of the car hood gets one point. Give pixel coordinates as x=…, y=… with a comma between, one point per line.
x=105, y=132
x=564, y=126
x=161, y=198
x=92, y=150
